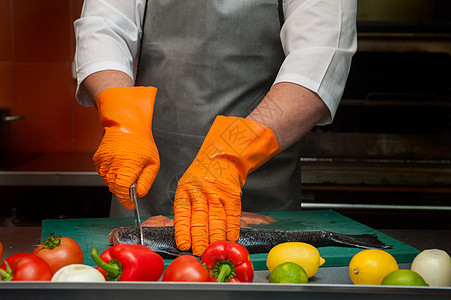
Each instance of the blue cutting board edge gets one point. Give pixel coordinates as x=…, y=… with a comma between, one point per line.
x=93, y=233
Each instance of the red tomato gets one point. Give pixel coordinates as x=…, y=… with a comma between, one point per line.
x=1, y=251
x=186, y=268
x=26, y=267
x=59, y=252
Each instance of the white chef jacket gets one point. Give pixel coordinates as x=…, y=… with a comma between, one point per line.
x=318, y=38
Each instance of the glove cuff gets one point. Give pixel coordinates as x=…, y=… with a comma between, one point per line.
x=246, y=143
x=127, y=109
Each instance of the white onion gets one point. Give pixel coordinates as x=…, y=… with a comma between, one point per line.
x=78, y=273
x=434, y=265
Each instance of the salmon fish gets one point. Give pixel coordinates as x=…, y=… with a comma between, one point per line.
x=256, y=240
x=247, y=218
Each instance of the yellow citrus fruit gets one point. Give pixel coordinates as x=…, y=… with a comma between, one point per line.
x=288, y=273
x=404, y=277
x=371, y=266
x=303, y=254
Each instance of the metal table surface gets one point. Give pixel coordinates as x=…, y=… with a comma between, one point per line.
x=77, y=169
x=328, y=283
x=56, y=169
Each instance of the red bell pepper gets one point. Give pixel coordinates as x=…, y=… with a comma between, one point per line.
x=228, y=262
x=129, y=263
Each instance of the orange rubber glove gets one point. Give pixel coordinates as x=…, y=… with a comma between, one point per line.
x=127, y=152
x=207, y=204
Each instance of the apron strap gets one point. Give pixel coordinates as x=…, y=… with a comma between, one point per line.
x=281, y=16
x=142, y=34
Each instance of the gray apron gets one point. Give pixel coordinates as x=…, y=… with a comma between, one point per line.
x=209, y=58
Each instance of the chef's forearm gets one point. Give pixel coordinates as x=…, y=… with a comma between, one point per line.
x=97, y=82
x=291, y=111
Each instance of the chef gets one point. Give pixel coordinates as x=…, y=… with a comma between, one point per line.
x=203, y=102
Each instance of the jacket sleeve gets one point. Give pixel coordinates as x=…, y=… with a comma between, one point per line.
x=319, y=39
x=108, y=35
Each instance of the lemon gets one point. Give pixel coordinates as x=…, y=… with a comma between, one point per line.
x=404, y=277
x=299, y=253
x=288, y=272
x=371, y=266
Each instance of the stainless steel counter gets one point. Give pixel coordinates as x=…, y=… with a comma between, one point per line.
x=56, y=169
x=196, y=291
x=49, y=178
x=77, y=169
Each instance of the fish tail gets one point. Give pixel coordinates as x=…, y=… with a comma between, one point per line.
x=365, y=241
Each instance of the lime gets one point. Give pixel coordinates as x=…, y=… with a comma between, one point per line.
x=288, y=272
x=404, y=277
x=371, y=266
x=303, y=254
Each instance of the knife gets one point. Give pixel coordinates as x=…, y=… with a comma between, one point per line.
x=136, y=211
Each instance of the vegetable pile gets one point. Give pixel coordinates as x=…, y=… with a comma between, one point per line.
x=60, y=259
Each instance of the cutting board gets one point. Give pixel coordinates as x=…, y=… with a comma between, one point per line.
x=93, y=233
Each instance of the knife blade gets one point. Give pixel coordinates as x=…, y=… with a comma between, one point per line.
x=136, y=212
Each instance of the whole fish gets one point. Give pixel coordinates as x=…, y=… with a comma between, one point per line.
x=161, y=239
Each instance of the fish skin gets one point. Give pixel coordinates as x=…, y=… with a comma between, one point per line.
x=161, y=239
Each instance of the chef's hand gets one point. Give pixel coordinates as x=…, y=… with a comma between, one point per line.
x=207, y=205
x=127, y=152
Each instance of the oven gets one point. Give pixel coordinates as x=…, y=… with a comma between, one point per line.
x=388, y=152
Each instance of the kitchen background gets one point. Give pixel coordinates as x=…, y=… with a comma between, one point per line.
x=36, y=54
x=387, y=156
x=37, y=47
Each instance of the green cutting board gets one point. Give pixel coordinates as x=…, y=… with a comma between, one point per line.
x=93, y=233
